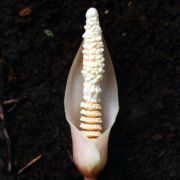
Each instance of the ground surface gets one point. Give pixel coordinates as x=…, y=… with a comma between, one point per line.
x=141, y=36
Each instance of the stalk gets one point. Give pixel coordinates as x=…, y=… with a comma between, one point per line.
x=87, y=178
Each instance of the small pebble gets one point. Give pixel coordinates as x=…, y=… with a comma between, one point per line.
x=106, y=11
x=124, y=34
x=156, y=137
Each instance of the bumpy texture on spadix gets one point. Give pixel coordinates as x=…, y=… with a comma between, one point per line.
x=92, y=70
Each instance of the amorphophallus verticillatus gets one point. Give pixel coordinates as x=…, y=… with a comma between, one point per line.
x=91, y=99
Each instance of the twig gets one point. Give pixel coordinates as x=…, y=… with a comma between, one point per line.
x=9, y=110
x=6, y=135
x=29, y=164
x=8, y=142
x=10, y=101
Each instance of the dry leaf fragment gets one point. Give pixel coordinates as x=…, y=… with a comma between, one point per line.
x=25, y=11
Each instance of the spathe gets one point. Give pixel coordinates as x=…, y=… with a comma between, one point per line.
x=90, y=156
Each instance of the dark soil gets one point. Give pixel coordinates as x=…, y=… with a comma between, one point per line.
x=36, y=53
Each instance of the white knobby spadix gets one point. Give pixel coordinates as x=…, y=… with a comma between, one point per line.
x=92, y=70
x=91, y=99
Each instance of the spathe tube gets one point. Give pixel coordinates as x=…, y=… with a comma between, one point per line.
x=90, y=156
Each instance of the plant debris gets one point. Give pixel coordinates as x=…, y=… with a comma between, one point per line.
x=48, y=33
x=30, y=164
x=25, y=11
